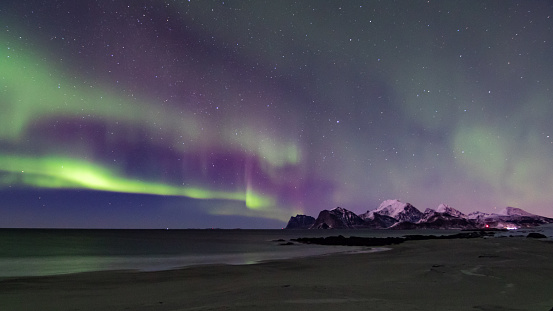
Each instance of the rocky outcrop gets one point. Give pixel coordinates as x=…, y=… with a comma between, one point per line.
x=338, y=218
x=535, y=235
x=369, y=241
x=300, y=222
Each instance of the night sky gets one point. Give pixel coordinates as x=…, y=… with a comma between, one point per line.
x=199, y=114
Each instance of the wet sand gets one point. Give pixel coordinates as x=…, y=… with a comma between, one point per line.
x=476, y=274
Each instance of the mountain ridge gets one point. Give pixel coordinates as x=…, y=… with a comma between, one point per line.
x=394, y=214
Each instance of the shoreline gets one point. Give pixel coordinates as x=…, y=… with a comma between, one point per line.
x=476, y=274
x=68, y=265
x=324, y=250
x=63, y=251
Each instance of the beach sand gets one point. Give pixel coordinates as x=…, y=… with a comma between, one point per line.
x=476, y=274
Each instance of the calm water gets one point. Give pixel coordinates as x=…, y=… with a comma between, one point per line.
x=26, y=252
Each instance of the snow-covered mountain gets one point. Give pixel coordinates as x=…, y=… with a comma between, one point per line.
x=514, y=211
x=428, y=213
x=508, y=218
x=444, y=217
x=395, y=214
x=445, y=209
x=478, y=215
x=396, y=209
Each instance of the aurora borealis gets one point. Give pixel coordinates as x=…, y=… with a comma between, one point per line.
x=180, y=114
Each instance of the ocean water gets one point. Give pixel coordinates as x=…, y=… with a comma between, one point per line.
x=34, y=252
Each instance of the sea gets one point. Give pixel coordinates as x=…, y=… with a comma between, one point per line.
x=40, y=252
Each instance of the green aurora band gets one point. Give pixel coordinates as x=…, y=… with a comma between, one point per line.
x=31, y=90
x=66, y=173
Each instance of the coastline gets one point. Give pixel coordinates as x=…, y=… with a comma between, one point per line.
x=42, y=252
x=476, y=274
x=27, y=253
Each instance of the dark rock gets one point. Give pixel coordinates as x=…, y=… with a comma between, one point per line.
x=462, y=235
x=351, y=241
x=322, y=226
x=412, y=214
x=287, y=243
x=338, y=218
x=300, y=222
x=361, y=241
x=535, y=235
x=327, y=220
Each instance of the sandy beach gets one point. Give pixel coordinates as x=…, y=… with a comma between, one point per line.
x=476, y=274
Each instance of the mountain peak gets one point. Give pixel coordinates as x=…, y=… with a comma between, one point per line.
x=340, y=210
x=391, y=208
x=515, y=211
x=395, y=209
x=443, y=208
x=392, y=202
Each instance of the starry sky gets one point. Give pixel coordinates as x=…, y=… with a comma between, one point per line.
x=200, y=114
